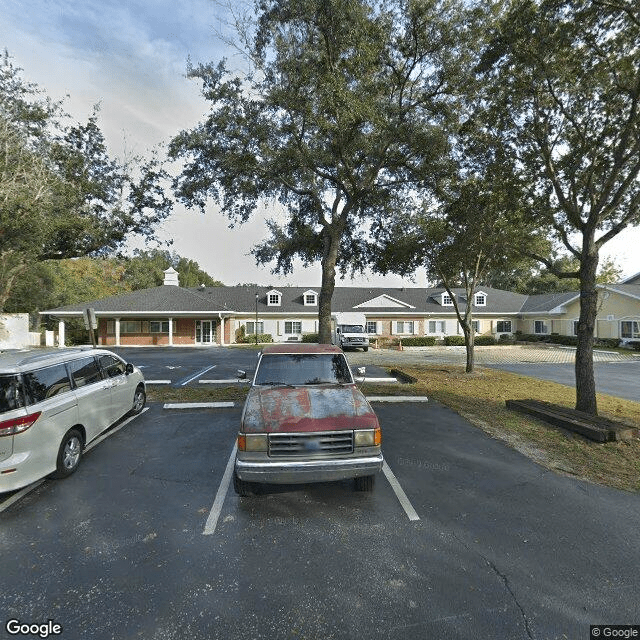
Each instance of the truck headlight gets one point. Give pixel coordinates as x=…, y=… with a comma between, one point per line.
x=252, y=442
x=367, y=437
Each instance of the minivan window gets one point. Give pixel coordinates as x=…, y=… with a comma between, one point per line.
x=46, y=383
x=85, y=371
x=10, y=394
x=112, y=366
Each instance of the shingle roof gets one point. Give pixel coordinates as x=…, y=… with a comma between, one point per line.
x=167, y=298
x=545, y=302
x=242, y=299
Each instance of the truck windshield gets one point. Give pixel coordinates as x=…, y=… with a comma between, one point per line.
x=10, y=394
x=352, y=328
x=303, y=368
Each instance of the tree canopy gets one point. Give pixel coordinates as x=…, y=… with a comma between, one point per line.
x=341, y=117
x=563, y=80
x=61, y=194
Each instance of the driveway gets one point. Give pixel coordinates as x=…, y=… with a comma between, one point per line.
x=501, y=548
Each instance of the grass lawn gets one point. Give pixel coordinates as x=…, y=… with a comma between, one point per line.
x=480, y=398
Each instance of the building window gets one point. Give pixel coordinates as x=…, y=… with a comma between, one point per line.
x=251, y=328
x=503, y=326
x=310, y=299
x=371, y=327
x=630, y=329
x=481, y=300
x=159, y=326
x=404, y=326
x=540, y=326
x=131, y=326
x=274, y=300
x=575, y=327
x=447, y=300
x=475, y=325
x=437, y=326
x=292, y=327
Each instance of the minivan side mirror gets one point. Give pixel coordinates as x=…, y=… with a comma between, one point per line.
x=361, y=371
x=242, y=375
x=129, y=368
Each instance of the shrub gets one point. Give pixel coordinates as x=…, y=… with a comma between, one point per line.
x=250, y=339
x=507, y=338
x=571, y=341
x=419, y=341
x=310, y=337
x=483, y=341
x=635, y=345
x=607, y=342
x=454, y=341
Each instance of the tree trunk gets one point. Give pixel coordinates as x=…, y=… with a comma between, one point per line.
x=469, y=343
x=585, y=379
x=329, y=262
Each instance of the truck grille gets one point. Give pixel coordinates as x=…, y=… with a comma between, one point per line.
x=310, y=444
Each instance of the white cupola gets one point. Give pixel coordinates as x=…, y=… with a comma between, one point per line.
x=171, y=277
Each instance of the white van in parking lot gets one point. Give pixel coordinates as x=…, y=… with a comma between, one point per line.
x=53, y=403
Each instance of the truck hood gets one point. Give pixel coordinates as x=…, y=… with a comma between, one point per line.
x=315, y=408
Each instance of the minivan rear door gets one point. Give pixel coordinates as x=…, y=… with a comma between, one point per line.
x=11, y=408
x=114, y=369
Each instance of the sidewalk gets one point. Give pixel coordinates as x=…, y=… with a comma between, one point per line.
x=511, y=354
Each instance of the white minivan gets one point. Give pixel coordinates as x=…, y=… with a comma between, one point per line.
x=54, y=402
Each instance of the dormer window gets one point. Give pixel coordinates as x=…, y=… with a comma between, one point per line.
x=481, y=299
x=310, y=299
x=274, y=298
x=447, y=300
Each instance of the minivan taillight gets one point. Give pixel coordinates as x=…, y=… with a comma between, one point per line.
x=18, y=425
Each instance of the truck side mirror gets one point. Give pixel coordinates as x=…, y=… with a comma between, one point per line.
x=128, y=368
x=242, y=375
x=361, y=371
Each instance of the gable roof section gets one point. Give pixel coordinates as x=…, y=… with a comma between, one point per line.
x=634, y=279
x=384, y=300
x=548, y=302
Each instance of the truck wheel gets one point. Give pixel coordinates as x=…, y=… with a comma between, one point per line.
x=365, y=483
x=242, y=488
x=365, y=349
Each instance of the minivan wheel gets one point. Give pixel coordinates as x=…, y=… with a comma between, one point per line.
x=242, y=487
x=139, y=400
x=69, y=454
x=365, y=483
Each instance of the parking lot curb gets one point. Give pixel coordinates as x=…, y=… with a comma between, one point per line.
x=397, y=399
x=200, y=405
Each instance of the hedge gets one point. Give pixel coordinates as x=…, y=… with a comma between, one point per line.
x=310, y=337
x=419, y=341
x=251, y=338
x=483, y=341
x=454, y=341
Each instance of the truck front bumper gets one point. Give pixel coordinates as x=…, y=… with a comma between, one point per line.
x=301, y=472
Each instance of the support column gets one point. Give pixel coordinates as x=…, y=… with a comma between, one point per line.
x=222, y=331
x=61, y=336
x=171, y=332
x=117, y=332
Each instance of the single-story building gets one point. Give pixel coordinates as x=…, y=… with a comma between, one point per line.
x=174, y=315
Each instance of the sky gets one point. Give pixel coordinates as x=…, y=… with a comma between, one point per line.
x=131, y=58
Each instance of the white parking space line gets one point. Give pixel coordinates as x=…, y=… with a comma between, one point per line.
x=216, y=509
x=199, y=405
x=399, y=491
x=23, y=492
x=232, y=380
x=20, y=494
x=376, y=379
x=157, y=381
x=106, y=435
x=197, y=375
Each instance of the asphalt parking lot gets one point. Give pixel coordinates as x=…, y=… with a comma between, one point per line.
x=501, y=548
